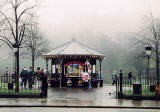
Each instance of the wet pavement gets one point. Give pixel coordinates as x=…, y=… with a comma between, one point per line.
x=74, y=110
x=104, y=96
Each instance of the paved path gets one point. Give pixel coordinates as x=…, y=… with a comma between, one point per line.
x=83, y=93
x=80, y=97
x=74, y=110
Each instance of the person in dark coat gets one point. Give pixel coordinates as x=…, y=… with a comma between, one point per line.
x=24, y=76
x=44, y=85
x=114, y=78
x=130, y=77
x=42, y=74
x=30, y=77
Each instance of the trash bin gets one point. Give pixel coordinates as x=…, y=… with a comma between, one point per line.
x=137, y=89
x=10, y=86
x=152, y=88
x=101, y=83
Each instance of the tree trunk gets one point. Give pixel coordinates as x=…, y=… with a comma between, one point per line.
x=157, y=63
x=17, y=47
x=32, y=61
x=17, y=69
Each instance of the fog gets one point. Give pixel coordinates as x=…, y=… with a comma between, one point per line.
x=104, y=25
x=62, y=20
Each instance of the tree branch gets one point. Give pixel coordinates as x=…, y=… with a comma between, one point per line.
x=11, y=2
x=7, y=43
x=21, y=2
x=6, y=39
x=25, y=11
x=9, y=24
x=22, y=35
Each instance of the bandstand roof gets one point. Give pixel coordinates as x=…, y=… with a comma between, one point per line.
x=73, y=48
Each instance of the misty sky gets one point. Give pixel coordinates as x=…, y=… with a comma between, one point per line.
x=64, y=19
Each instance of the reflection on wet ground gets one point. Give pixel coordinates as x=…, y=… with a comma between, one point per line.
x=83, y=93
x=104, y=96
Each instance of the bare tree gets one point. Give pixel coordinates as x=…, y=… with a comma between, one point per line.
x=151, y=35
x=15, y=18
x=34, y=43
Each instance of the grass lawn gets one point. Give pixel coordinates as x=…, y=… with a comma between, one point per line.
x=3, y=84
x=144, y=93
x=4, y=89
x=21, y=91
x=128, y=90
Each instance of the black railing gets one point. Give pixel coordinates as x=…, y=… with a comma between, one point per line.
x=136, y=85
x=147, y=84
x=29, y=87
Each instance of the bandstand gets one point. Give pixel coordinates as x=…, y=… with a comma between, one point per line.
x=68, y=61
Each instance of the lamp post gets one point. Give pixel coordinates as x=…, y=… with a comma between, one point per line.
x=16, y=51
x=120, y=93
x=148, y=49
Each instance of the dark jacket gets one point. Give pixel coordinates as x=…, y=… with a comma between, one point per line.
x=129, y=75
x=42, y=75
x=31, y=74
x=24, y=74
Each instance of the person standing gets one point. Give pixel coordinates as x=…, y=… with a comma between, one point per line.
x=42, y=73
x=6, y=74
x=89, y=81
x=44, y=84
x=38, y=73
x=38, y=77
x=24, y=76
x=13, y=75
x=30, y=77
x=114, y=78
x=130, y=77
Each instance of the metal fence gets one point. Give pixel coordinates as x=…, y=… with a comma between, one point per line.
x=141, y=85
x=28, y=87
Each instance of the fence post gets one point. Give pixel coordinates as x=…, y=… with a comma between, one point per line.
x=117, y=87
x=120, y=93
x=44, y=89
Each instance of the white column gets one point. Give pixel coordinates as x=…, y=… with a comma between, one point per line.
x=61, y=73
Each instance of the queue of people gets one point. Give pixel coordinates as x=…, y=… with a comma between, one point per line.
x=31, y=77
